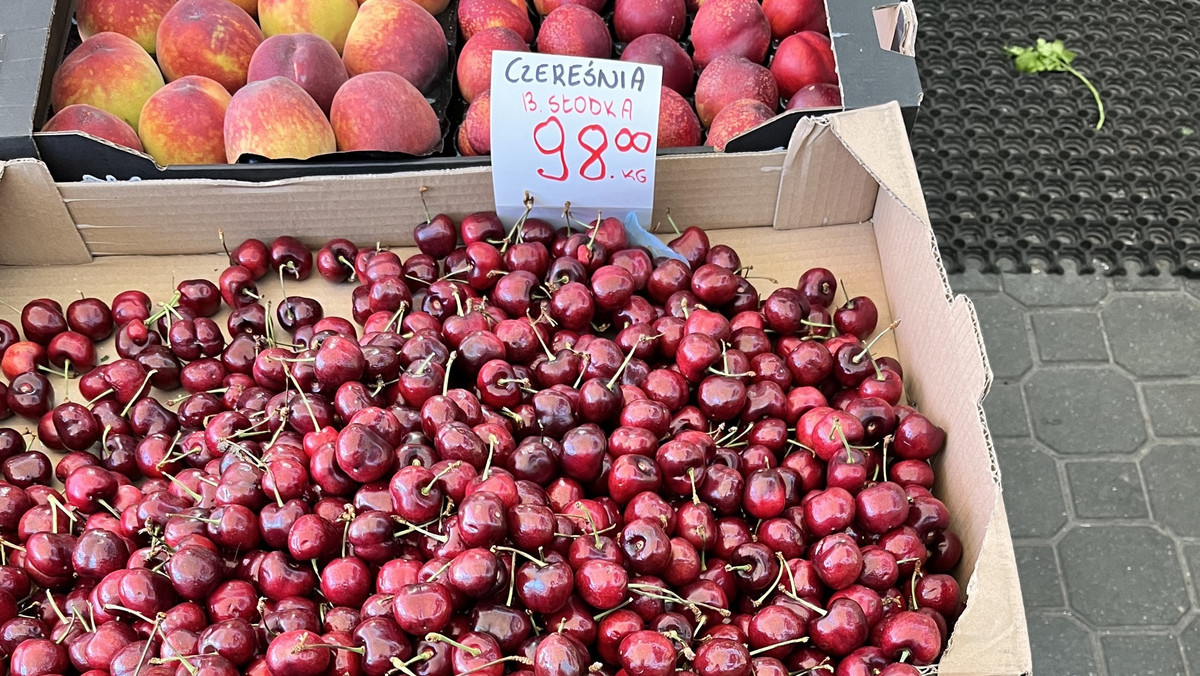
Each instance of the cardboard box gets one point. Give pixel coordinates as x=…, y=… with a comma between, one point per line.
x=845, y=196
x=872, y=44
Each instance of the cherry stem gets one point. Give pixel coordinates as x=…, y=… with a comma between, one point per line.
x=867, y=348
x=610, y=611
x=221, y=236
x=91, y=402
x=746, y=374
x=512, y=579
x=683, y=646
x=904, y=654
x=587, y=514
x=195, y=496
x=446, y=376
x=692, y=479
x=140, y=389
x=540, y=563
x=421, y=194
x=613, y=381
x=766, y=648
x=434, y=636
x=778, y=576
x=54, y=606
x=508, y=658
x=441, y=473
x=745, y=567
x=396, y=316
x=487, y=466
x=353, y=271
x=131, y=611
x=811, y=606
x=672, y=222
x=422, y=531
x=883, y=463
x=441, y=570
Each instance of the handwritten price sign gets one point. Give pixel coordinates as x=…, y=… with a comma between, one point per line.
x=566, y=129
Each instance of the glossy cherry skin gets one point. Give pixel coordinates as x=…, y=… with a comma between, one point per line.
x=722, y=657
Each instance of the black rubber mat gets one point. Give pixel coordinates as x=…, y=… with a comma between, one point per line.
x=1016, y=175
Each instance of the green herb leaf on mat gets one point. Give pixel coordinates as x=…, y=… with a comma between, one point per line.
x=1052, y=57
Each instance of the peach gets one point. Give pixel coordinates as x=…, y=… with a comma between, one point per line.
x=633, y=18
x=678, y=72
x=730, y=78
x=544, y=7
x=820, y=95
x=329, y=19
x=792, y=16
x=575, y=30
x=740, y=116
x=434, y=7
x=677, y=123
x=474, y=70
x=803, y=59
x=184, y=122
x=213, y=38
x=248, y=6
x=91, y=120
x=135, y=19
x=275, y=118
x=730, y=27
x=108, y=71
x=308, y=60
x=475, y=134
x=478, y=15
x=383, y=111
x=397, y=36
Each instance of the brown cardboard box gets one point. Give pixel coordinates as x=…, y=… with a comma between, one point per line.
x=844, y=196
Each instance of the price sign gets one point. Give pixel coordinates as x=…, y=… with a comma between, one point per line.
x=566, y=129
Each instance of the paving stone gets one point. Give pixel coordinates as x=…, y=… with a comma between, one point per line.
x=1154, y=334
x=1190, y=640
x=1041, y=586
x=1041, y=290
x=1069, y=336
x=1173, y=408
x=1085, y=411
x=1171, y=472
x=1148, y=655
x=973, y=280
x=1192, y=554
x=1060, y=647
x=1005, y=408
x=1003, y=325
x=1032, y=494
x=1106, y=490
x=1123, y=576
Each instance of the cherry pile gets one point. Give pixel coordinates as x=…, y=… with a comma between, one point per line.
x=548, y=454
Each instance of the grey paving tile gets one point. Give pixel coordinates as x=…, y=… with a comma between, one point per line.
x=1085, y=411
x=1069, y=335
x=1174, y=408
x=1192, y=554
x=1040, y=289
x=1154, y=334
x=1190, y=640
x=1032, y=494
x=1041, y=586
x=1123, y=576
x=1171, y=472
x=1153, y=655
x=1005, y=409
x=1002, y=322
x=1105, y=490
x=973, y=280
x=1060, y=647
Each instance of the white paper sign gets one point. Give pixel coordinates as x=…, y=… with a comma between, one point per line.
x=567, y=129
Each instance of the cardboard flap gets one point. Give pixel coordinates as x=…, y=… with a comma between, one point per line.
x=832, y=186
x=890, y=163
x=34, y=224
x=991, y=639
